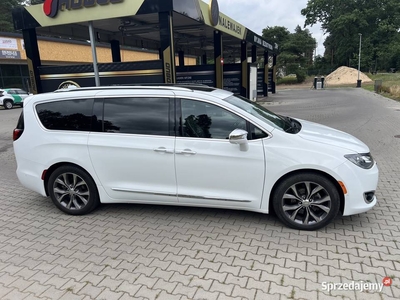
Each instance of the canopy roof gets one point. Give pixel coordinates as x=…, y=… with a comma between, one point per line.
x=135, y=23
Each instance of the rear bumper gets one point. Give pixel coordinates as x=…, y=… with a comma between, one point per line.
x=29, y=174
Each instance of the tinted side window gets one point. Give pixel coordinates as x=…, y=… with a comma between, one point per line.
x=204, y=120
x=148, y=116
x=73, y=115
x=21, y=92
x=256, y=133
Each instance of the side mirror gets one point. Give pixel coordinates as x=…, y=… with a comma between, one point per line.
x=238, y=137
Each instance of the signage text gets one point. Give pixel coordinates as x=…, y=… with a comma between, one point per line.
x=230, y=25
x=51, y=7
x=263, y=43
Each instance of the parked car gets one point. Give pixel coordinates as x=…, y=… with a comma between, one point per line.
x=191, y=146
x=11, y=97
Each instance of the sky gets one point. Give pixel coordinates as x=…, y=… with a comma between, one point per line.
x=258, y=14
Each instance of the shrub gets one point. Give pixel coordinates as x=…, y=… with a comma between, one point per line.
x=287, y=80
x=395, y=90
x=301, y=75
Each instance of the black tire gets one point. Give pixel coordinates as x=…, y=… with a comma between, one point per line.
x=72, y=190
x=306, y=201
x=8, y=104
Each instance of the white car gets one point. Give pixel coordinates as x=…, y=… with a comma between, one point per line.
x=12, y=97
x=191, y=146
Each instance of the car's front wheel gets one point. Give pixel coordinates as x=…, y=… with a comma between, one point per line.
x=306, y=201
x=8, y=104
x=72, y=190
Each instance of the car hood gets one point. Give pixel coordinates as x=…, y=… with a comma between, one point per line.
x=326, y=135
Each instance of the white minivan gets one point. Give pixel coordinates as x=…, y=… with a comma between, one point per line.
x=191, y=146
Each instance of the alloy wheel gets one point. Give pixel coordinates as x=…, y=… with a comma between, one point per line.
x=306, y=203
x=71, y=191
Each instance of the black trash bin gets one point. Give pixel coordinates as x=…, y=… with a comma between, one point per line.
x=315, y=83
x=322, y=82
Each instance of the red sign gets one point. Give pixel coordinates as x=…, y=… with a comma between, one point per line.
x=51, y=7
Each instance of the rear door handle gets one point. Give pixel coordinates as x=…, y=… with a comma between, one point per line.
x=186, y=151
x=163, y=150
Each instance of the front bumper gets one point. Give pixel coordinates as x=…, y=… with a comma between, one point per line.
x=358, y=181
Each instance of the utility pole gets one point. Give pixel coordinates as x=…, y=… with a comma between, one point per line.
x=359, y=63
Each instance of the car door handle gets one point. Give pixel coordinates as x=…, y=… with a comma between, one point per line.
x=186, y=151
x=163, y=150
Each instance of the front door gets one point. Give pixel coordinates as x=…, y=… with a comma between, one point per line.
x=133, y=149
x=210, y=170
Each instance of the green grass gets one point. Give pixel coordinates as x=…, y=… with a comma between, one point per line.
x=390, y=84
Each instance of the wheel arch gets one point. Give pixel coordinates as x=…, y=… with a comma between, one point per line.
x=55, y=167
x=313, y=171
x=8, y=100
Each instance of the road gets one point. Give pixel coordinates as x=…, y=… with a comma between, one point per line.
x=156, y=252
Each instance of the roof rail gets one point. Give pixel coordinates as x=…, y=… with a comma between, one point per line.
x=161, y=86
x=125, y=87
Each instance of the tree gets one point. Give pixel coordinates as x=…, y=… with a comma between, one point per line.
x=377, y=20
x=6, y=21
x=276, y=35
x=295, y=49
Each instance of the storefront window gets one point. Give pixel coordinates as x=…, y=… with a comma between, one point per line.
x=13, y=82
x=11, y=70
x=13, y=76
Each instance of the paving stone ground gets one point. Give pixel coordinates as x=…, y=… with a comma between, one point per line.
x=157, y=252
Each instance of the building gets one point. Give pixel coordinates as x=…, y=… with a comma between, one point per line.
x=59, y=52
x=170, y=27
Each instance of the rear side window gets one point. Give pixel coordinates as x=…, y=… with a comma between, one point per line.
x=146, y=116
x=74, y=115
x=21, y=124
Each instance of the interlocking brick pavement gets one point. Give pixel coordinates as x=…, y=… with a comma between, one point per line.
x=156, y=252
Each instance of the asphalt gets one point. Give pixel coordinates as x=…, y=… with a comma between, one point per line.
x=157, y=252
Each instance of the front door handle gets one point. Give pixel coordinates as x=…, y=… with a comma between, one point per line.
x=163, y=150
x=185, y=152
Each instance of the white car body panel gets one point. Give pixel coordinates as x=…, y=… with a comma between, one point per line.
x=132, y=170
x=219, y=173
x=126, y=168
x=326, y=135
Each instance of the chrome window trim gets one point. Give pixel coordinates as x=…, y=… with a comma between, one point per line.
x=91, y=97
x=94, y=96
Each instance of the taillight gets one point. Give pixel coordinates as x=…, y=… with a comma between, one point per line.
x=20, y=127
x=17, y=134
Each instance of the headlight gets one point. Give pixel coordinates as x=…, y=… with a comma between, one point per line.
x=363, y=160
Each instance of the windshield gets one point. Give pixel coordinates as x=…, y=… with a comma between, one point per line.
x=260, y=112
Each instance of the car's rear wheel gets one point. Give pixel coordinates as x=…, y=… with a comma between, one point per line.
x=8, y=104
x=306, y=201
x=72, y=190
